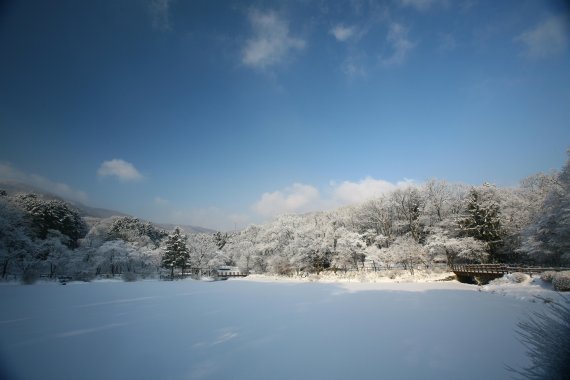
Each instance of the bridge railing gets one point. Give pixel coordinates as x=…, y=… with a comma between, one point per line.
x=500, y=269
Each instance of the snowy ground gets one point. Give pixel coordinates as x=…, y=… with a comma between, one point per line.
x=250, y=329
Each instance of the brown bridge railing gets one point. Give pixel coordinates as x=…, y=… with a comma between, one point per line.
x=498, y=269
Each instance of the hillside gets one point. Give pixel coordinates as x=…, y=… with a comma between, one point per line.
x=14, y=187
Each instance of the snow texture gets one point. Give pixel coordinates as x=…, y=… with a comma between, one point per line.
x=249, y=329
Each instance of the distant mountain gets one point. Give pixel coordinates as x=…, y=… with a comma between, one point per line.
x=14, y=187
x=186, y=228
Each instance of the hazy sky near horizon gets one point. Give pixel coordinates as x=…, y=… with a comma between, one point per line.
x=219, y=114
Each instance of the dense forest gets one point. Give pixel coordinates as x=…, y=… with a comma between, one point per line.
x=411, y=227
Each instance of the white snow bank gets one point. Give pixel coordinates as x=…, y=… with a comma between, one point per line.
x=532, y=289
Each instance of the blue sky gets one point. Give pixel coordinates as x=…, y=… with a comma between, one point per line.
x=220, y=114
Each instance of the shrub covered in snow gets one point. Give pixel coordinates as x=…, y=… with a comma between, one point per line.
x=29, y=277
x=518, y=277
x=561, y=281
x=547, y=276
x=129, y=277
x=511, y=278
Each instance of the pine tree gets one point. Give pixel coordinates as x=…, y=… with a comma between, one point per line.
x=482, y=217
x=177, y=253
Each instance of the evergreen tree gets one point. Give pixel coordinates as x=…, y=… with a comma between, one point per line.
x=482, y=218
x=177, y=253
x=132, y=230
x=52, y=214
x=221, y=239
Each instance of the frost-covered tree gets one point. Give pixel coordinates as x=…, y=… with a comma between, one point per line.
x=202, y=248
x=221, y=239
x=176, y=253
x=457, y=249
x=52, y=214
x=547, y=240
x=409, y=204
x=438, y=199
x=134, y=230
x=15, y=241
x=376, y=215
x=409, y=253
x=114, y=257
x=350, y=250
x=55, y=253
x=482, y=218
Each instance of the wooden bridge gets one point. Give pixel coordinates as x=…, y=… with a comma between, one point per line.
x=488, y=272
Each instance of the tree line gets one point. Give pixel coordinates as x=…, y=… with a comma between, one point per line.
x=411, y=227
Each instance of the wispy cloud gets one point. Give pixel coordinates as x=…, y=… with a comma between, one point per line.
x=400, y=45
x=446, y=42
x=160, y=14
x=123, y=170
x=300, y=198
x=420, y=5
x=548, y=38
x=348, y=192
x=8, y=172
x=161, y=201
x=271, y=43
x=355, y=65
x=343, y=33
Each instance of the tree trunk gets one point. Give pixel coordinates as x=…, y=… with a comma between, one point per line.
x=5, y=268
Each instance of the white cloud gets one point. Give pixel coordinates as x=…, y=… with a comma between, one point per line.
x=300, y=198
x=123, y=170
x=546, y=39
x=355, y=192
x=8, y=172
x=293, y=199
x=161, y=201
x=271, y=43
x=354, y=65
x=400, y=43
x=160, y=13
x=343, y=33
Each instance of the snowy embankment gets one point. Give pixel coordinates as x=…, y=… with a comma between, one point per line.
x=248, y=329
x=391, y=276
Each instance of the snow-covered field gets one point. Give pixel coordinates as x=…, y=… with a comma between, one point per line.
x=252, y=329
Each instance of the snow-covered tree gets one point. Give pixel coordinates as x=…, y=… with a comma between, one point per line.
x=15, y=241
x=457, y=249
x=350, y=250
x=482, y=218
x=52, y=214
x=114, y=257
x=221, y=239
x=376, y=215
x=202, y=248
x=409, y=204
x=55, y=253
x=547, y=240
x=176, y=253
x=134, y=230
x=409, y=253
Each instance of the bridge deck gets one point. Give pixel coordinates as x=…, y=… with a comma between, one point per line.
x=497, y=269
